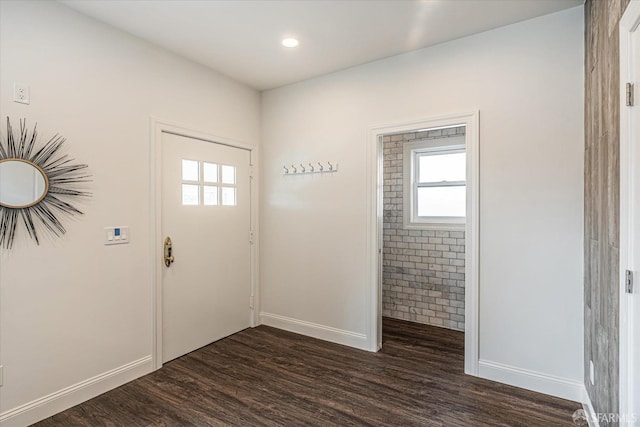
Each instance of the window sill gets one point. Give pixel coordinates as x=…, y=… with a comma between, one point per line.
x=436, y=225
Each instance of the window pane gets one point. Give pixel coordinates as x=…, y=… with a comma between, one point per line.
x=190, y=170
x=228, y=175
x=442, y=201
x=210, y=197
x=442, y=167
x=210, y=172
x=228, y=196
x=190, y=194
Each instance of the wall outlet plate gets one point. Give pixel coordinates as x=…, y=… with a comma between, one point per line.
x=21, y=93
x=592, y=373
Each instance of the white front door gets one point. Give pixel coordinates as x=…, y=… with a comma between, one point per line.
x=206, y=214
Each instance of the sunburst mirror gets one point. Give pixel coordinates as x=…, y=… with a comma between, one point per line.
x=38, y=183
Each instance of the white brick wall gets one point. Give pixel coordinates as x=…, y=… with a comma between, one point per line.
x=423, y=270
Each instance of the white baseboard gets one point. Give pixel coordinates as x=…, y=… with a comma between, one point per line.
x=314, y=330
x=60, y=400
x=531, y=380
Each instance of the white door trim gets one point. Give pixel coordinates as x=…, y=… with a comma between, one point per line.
x=629, y=317
x=374, y=219
x=156, y=129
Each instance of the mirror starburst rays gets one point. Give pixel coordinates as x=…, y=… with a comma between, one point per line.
x=63, y=175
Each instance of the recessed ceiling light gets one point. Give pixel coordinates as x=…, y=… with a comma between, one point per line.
x=290, y=42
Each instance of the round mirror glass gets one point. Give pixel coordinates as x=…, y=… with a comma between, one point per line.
x=22, y=184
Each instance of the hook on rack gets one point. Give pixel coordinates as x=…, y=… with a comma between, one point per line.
x=310, y=168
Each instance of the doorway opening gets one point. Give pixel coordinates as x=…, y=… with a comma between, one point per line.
x=425, y=233
x=424, y=215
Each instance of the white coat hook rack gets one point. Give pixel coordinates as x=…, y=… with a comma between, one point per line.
x=310, y=167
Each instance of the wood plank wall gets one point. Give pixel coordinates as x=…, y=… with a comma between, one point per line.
x=602, y=202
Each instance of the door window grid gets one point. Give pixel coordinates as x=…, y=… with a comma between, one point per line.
x=208, y=184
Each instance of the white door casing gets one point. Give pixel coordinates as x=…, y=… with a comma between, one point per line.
x=374, y=243
x=629, y=339
x=207, y=293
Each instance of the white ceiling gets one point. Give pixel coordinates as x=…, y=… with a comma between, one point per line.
x=242, y=38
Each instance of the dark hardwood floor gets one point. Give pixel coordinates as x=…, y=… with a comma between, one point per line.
x=268, y=377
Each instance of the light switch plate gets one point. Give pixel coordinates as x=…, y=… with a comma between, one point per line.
x=116, y=235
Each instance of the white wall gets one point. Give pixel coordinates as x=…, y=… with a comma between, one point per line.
x=527, y=81
x=72, y=309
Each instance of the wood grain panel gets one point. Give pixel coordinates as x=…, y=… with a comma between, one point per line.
x=602, y=201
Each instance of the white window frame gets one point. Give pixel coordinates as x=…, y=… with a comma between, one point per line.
x=411, y=152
